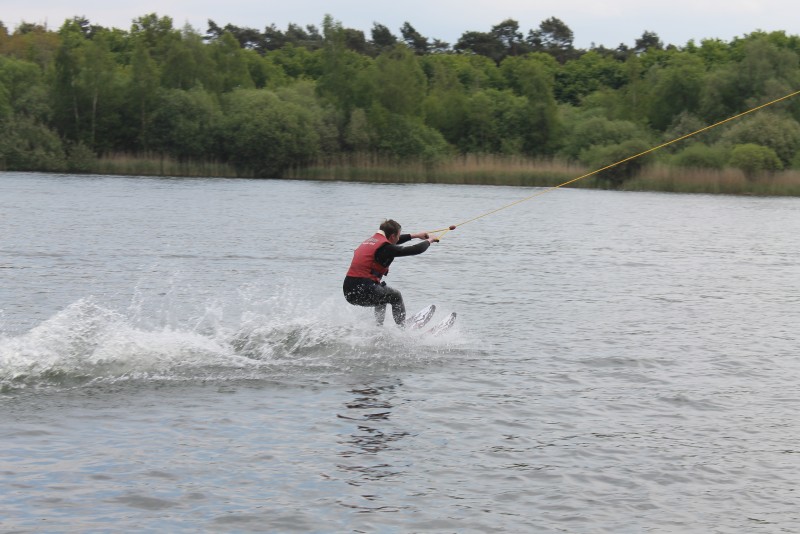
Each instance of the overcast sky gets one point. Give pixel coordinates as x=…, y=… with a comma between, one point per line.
x=606, y=23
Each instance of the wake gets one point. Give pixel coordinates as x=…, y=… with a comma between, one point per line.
x=88, y=343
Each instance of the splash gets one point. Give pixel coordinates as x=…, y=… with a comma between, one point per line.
x=87, y=343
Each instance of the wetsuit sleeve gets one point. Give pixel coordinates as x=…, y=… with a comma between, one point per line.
x=388, y=251
x=404, y=238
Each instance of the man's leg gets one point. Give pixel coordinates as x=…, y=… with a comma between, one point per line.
x=377, y=296
x=380, y=313
x=388, y=295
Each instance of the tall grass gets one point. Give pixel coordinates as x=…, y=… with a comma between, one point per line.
x=543, y=172
x=160, y=165
x=484, y=169
x=478, y=169
x=725, y=181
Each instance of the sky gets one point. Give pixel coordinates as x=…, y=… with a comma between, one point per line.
x=592, y=22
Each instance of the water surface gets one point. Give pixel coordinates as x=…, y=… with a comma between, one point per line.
x=175, y=354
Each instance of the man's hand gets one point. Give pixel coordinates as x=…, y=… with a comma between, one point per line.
x=420, y=235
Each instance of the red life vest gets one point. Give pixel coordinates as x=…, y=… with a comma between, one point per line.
x=364, y=264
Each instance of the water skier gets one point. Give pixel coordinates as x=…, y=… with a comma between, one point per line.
x=363, y=286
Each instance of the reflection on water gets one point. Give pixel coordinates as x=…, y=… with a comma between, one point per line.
x=363, y=463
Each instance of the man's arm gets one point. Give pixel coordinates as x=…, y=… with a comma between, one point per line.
x=419, y=235
x=388, y=251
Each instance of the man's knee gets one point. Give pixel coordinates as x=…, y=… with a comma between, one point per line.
x=395, y=296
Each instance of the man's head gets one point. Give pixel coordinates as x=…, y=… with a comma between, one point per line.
x=391, y=229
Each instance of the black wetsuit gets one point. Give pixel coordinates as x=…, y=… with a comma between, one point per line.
x=368, y=292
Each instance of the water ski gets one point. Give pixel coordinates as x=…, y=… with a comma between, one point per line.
x=421, y=318
x=444, y=325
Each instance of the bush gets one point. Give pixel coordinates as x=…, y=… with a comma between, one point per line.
x=796, y=162
x=598, y=131
x=755, y=160
x=27, y=145
x=599, y=156
x=80, y=158
x=701, y=156
x=779, y=132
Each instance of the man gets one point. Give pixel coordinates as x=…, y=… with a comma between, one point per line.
x=362, y=285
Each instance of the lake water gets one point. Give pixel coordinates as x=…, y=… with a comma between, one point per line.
x=176, y=355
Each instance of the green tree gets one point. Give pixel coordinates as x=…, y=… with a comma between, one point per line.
x=445, y=105
x=308, y=38
x=326, y=118
x=553, y=37
x=760, y=70
x=382, y=38
x=156, y=34
x=69, y=100
x=400, y=83
x=264, y=71
x=231, y=64
x=510, y=37
x=713, y=52
x=648, y=41
x=481, y=43
x=532, y=76
x=495, y=122
x=263, y=134
x=405, y=137
x=97, y=79
x=23, y=90
x=719, y=97
x=585, y=75
x=634, y=93
x=341, y=68
x=674, y=88
x=473, y=72
x=358, y=135
x=415, y=40
x=188, y=63
x=143, y=88
x=764, y=63
x=298, y=62
x=755, y=160
x=776, y=130
x=32, y=42
x=184, y=123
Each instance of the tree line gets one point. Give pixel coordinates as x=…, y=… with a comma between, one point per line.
x=266, y=101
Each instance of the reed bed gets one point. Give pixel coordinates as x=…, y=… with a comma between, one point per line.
x=466, y=169
x=469, y=169
x=529, y=172
x=158, y=165
x=711, y=181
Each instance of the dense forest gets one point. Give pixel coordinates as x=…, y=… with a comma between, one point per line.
x=265, y=102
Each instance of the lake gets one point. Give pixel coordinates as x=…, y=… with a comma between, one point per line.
x=176, y=355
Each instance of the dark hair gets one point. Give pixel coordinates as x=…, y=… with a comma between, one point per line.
x=390, y=227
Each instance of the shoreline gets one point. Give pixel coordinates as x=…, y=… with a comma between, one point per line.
x=464, y=170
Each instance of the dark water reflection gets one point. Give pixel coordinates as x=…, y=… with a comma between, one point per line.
x=365, y=458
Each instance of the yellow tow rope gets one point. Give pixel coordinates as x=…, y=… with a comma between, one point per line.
x=443, y=231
